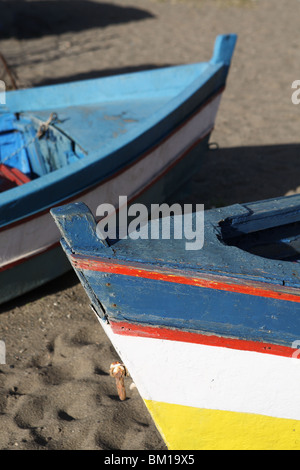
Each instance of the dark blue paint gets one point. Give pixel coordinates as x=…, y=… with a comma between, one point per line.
x=192, y=308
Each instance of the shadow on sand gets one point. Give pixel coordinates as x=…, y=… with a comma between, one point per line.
x=244, y=174
x=25, y=20
x=99, y=74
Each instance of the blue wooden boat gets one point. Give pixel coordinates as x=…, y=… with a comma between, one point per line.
x=140, y=135
x=209, y=336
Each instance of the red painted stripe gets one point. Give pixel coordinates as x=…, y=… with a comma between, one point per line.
x=107, y=266
x=129, y=329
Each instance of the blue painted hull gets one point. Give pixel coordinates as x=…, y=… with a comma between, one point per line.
x=224, y=289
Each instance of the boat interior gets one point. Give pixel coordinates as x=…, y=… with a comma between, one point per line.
x=281, y=241
x=86, y=116
x=25, y=155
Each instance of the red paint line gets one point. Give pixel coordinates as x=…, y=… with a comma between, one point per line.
x=129, y=329
x=14, y=175
x=108, y=266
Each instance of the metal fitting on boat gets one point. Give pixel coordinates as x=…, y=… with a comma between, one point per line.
x=119, y=371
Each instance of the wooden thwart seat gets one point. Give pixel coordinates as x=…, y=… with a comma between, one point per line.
x=11, y=177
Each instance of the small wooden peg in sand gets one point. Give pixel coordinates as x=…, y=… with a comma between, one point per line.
x=118, y=371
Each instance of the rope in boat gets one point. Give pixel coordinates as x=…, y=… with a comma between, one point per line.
x=43, y=127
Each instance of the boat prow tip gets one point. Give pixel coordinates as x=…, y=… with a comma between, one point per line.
x=224, y=48
x=68, y=210
x=77, y=226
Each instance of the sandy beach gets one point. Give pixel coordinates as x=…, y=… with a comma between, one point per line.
x=55, y=388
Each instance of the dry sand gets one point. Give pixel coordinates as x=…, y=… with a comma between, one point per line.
x=55, y=390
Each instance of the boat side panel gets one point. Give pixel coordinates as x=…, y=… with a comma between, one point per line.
x=77, y=93
x=168, y=304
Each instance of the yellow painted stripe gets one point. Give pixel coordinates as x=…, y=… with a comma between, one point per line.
x=188, y=428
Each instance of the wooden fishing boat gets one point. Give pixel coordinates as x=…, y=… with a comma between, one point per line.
x=210, y=336
x=140, y=135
